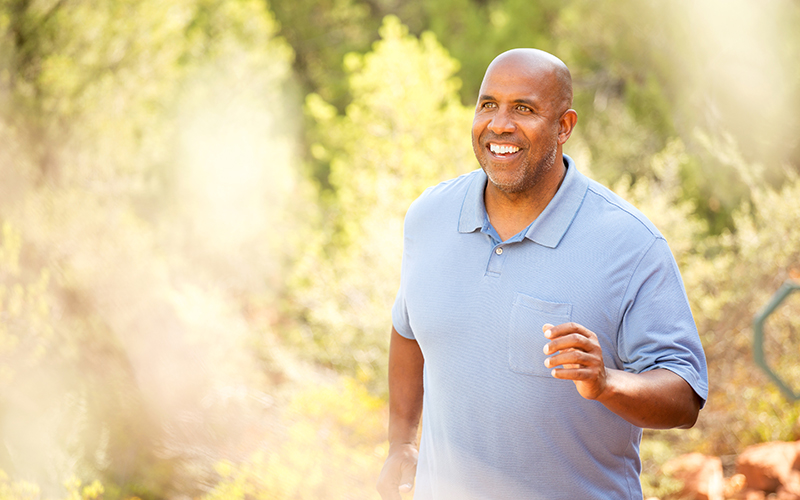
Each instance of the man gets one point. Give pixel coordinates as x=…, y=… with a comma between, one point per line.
x=541, y=321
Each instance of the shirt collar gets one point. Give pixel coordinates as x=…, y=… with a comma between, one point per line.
x=552, y=223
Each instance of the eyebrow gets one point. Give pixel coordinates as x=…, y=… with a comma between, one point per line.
x=527, y=102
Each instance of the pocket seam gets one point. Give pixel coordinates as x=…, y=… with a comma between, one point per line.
x=519, y=339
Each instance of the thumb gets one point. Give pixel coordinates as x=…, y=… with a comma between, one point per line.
x=407, y=473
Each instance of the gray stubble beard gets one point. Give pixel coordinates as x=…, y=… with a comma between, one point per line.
x=544, y=165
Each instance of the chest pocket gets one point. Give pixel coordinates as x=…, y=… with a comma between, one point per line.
x=526, y=339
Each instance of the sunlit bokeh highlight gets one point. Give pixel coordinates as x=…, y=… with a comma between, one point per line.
x=201, y=210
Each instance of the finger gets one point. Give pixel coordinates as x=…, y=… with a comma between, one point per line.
x=546, y=327
x=388, y=482
x=388, y=491
x=566, y=329
x=572, y=373
x=568, y=343
x=407, y=478
x=571, y=358
x=557, y=364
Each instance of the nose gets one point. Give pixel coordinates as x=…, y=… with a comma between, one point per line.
x=501, y=123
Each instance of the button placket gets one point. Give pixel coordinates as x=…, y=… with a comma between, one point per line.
x=496, y=259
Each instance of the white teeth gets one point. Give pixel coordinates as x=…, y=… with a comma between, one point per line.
x=501, y=150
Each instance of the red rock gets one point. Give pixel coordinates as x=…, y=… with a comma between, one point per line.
x=790, y=486
x=769, y=466
x=784, y=494
x=734, y=485
x=701, y=475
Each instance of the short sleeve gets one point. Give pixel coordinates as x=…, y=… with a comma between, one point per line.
x=657, y=329
x=400, y=319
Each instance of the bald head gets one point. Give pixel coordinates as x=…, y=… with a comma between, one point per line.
x=522, y=119
x=545, y=67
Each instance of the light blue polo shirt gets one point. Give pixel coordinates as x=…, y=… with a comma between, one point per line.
x=496, y=425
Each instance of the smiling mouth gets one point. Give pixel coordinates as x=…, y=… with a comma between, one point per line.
x=502, y=149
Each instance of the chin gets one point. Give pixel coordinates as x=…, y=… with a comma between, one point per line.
x=506, y=184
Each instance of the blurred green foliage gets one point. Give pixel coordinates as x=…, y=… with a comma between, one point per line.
x=22, y=490
x=403, y=131
x=328, y=449
x=202, y=201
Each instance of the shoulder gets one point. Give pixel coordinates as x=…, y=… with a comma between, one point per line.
x=609, y=209
x=444, y=197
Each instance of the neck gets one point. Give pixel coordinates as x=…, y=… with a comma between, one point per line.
x=510, y=213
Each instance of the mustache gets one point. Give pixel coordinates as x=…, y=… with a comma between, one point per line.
x=492, y=137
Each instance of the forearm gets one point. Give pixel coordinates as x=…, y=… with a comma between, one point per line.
x=403, y=425
x=657, y=399
x=405, y=389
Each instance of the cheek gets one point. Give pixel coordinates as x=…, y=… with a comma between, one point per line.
x=476, y=136
x=476, y=130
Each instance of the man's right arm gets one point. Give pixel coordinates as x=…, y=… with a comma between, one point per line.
x=405, y=410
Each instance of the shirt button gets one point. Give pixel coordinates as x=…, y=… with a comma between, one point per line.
x=498, y=250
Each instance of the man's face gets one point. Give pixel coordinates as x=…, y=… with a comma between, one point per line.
x=515, y=129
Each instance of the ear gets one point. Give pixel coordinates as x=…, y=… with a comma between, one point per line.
x=566, y=124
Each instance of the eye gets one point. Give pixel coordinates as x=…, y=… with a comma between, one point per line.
x=523, y=109
x=488, y=105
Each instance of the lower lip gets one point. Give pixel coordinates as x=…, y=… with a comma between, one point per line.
x=505, y=156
